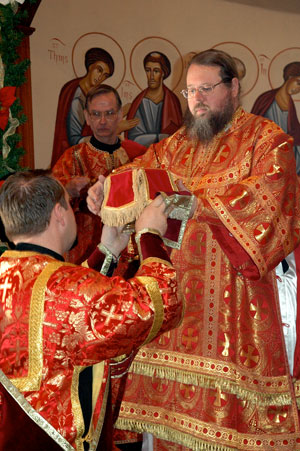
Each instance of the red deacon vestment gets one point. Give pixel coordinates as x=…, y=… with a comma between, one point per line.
x=56, y=319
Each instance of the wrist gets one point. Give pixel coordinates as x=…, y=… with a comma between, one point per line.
x=110, y=253
x=139, y=233
x=150, y=245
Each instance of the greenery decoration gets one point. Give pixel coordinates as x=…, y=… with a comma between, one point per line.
x=12, y=74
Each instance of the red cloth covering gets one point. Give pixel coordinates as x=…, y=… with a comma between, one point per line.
x=171, y=114
x=127, y=192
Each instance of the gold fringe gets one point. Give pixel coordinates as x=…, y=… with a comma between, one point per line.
x=116, y=217
x=120, y=216
x=162, y=432
x=205, y=381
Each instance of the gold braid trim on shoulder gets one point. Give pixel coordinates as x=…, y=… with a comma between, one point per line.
x=33, y=414
x=32, y=381
x=78, y=159
x=152, y=288
x=206, y=381
x=121, y=155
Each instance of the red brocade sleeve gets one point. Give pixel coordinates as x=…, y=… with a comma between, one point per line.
x=108, y=317
x=255, y=218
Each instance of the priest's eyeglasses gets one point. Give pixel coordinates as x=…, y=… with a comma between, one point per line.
x=189, y=93
x=107, y=115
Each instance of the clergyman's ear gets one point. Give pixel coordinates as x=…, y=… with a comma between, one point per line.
x=57, y=213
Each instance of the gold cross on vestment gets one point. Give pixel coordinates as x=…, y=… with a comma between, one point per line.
x=111, y=315
x=5, y=286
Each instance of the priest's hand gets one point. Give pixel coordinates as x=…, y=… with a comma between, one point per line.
x=95, y=196
x=154, y=216
x=114, y=239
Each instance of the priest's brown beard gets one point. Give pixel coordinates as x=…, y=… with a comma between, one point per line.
x=203, y=129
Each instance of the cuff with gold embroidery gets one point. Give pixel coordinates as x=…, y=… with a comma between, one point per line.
x=181, y=204
x=150, y=245
x=102, y=260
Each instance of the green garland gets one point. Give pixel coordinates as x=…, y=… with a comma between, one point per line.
x=10, y=39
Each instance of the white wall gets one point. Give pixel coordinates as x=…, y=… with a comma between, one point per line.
x=257, y=36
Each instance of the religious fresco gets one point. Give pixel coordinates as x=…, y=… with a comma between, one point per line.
x=97, y=57
x=149, y=80
x=278, y=103
x=92, y=65
x=158, y=62
x=247, y=64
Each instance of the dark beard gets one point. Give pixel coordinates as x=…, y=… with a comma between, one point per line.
x=204, y=129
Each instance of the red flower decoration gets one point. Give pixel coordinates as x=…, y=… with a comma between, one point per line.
x=7, y=98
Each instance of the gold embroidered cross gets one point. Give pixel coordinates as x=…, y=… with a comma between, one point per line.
x=111, y=315
x=6, y=300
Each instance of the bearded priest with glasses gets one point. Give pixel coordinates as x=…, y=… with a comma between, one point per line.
x=221, y=380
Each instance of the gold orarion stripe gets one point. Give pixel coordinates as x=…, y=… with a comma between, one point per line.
x=152, y=288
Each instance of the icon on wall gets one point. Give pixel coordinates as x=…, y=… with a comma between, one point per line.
x=157, y=106
x=278, y=103
x=92, y=66
x=246, y=62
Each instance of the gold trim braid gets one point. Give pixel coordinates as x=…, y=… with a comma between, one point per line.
x=152, y=288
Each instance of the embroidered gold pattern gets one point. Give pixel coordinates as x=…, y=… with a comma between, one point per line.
x=204, y=372
x=152, y=288
x=35, y=365
x=193, y=434
x=76, y=407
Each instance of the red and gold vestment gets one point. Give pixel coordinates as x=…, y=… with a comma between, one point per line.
x=87, y=160
x=221, y=381
x=56, y=319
